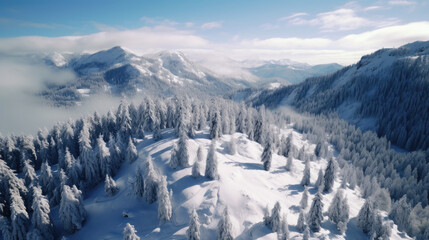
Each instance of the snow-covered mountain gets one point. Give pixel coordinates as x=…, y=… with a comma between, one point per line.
x=386, y=91
x=118, y=71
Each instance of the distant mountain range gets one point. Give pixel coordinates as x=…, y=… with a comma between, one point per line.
x=386, y=91
x=290, y=72
x=120, y=72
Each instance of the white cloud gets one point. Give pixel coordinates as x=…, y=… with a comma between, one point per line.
x=401, y=3
x=343, y=19
x=211, y=25
x=393, y=36
x=295, y=15
x=287, y=43
x=142, y=40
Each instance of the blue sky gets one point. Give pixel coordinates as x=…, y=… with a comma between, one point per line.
x=302, y=30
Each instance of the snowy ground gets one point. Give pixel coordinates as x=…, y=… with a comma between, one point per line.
x=243, y=186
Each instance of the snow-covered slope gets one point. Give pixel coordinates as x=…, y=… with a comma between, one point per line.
x=244, y=187
x=386, y=91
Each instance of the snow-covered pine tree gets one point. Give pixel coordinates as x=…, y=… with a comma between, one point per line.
x=381, y=200
x=174, y=161
x=283, y=231
x=259, y=130
x=300, y=224
x=275, y=217
x=289, y=164
x=151, y=180
x=131, y=154
x=366, y=217
x=138, y=184
x=157, y=135
x=329, y=177
x=46, y=179
x=267, y=154
x=379, y=230
x=305, y=181
x=115, y=155
x=224, y=227
x=103, y=156
x=193, y=232
x=306, y=235
x=196, y=167
x=267, y=217
x=89, y=163
x=211, y=171
x=400, y=213
x=29, y=173
x=320, y=181
x=315, y=215
x=130, y=233
x=287, y=146
x=110, y=187
x=182, y=151
x=40, y=218
x=338, y=211
x=19, y=216
x=215, y=124
x=304, y=199
x=164, y=203
x=72, y=212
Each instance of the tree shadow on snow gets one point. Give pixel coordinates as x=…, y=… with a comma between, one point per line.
x=249, y=166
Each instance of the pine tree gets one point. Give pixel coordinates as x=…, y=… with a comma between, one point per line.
x=19, y=216
x=320, y=181
x=150, y=182
x=46, y=179
x=72, y=213
x=211, y=171
x=283, y=231
x=164, y=203
x=315, y=215
x=196, y=167
x=267, y=154
x=275, y=218
x=131, y=154
x=379, y=230
x=215, y=124
x=103, y=156
x=338, y=211
x=329, y=176
x=224, y=227
x=366, y=217
x=306, y=235
x=130, y=232
x=400, y=213
x=267, y=217
x=110, y=186
x=287, y=146
x=40, y=219
x=90, y=168
x=174, y=160
x=304, y=199
x=138, y=184
x=193, y=232
x=29, y=173
x=182, y=151
x=305, y=181
x=300, y=225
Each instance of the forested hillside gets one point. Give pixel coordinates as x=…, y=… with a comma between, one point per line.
x=57, y=187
